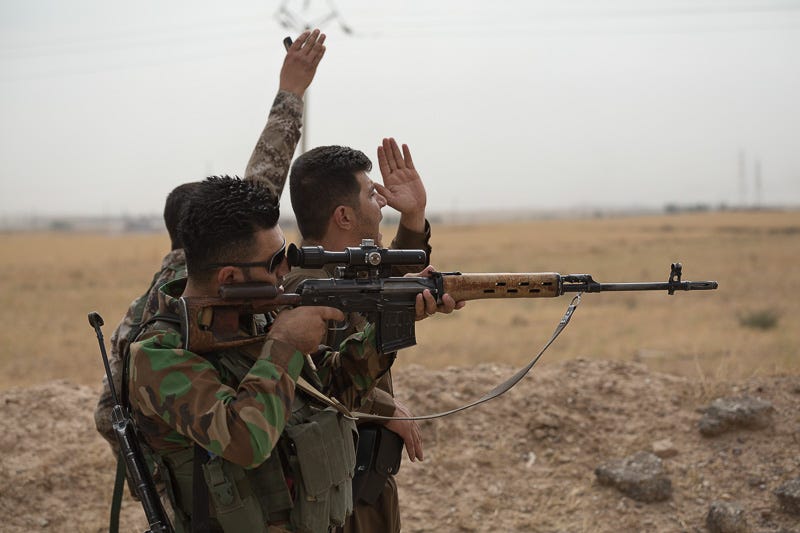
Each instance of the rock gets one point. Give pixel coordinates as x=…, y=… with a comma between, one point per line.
x=726, y=517
x=789, y=496
x=639, y=476
x=664, y=448
x=725, y=414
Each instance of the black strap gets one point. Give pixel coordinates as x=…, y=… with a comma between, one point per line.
x=200, y=516
x=116, y=497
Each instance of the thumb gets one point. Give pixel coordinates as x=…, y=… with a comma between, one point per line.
x=330, y=313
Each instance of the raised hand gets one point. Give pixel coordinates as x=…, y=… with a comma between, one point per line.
x=300, y=64
x=402, y=186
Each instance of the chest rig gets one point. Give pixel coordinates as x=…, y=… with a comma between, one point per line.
x=305, y=485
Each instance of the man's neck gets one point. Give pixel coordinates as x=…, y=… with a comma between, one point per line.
x=335, y=242
x=195, y=288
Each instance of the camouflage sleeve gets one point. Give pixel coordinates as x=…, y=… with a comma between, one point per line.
x=351, y=373
x=182, y=399
x=378, y=402
x=412, y=240
x=269, y=163
x=119, y=341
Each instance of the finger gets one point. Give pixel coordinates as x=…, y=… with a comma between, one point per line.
x=430, y=302
x=330, y=313
x=398, y=156
x=424, y=273
x=383, y=164
x=419, y=307
x=407, y=156
x=448, y=304
x=298, y=43
x=418, y=442
x=383, y=191
x=310, y=41
x=316, y=47
x=390, y=154
x=410, y=448
x=318, y=56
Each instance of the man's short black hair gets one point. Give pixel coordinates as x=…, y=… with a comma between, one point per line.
x=322, y=179
x=173, y=209
x=220, y=220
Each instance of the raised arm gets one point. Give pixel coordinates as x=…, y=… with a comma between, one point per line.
x=272, y=155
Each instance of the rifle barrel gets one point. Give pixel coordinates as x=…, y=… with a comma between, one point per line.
x=655, y=286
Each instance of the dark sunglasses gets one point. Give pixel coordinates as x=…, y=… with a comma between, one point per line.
x=271, y=265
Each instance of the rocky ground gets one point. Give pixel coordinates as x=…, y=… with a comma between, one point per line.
x=523, y=462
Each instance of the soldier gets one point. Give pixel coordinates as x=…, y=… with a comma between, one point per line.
x=214, y=422
x=337, y=205
x=269, y=166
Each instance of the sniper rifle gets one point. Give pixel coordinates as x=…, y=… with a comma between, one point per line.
x=363, y=283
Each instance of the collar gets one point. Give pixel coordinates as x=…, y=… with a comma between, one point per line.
x=169, y=296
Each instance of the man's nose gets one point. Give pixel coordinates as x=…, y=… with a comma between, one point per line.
x=282, y=270
x=381, y=200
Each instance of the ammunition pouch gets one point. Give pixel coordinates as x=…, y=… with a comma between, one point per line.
x=378, y=457
x=319, y=455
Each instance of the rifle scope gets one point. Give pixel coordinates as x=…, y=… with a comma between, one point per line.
x=365, y=256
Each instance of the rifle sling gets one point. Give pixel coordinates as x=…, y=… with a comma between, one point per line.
x=309, y=389
x=501, y=388
x=116, y=497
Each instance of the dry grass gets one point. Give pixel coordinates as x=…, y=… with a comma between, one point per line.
x=52, y=280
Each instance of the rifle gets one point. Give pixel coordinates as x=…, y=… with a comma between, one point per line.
x=362, y=283
x=131, y=451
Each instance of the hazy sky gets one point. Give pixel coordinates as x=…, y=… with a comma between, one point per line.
x=106, y=106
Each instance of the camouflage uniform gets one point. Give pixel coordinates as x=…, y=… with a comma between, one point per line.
x=179, y=398
x=384, y=515
x=269, y=165
x=272, y=155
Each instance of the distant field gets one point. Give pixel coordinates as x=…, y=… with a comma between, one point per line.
x=749, y=326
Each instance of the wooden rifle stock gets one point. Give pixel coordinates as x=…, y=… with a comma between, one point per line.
x=502, y=285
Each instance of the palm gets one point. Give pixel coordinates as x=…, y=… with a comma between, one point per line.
x=402, y=185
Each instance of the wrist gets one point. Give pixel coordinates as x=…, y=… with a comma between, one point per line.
x=295, y=90
x=413, y=220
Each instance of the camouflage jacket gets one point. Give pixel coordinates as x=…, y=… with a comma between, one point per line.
x=172, y=266
x=381, y=400
x=179, y=398
x=272, y=155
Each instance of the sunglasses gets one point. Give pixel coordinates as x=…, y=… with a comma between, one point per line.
x=271, y=265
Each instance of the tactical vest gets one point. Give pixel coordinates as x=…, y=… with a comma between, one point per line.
x=305, y=485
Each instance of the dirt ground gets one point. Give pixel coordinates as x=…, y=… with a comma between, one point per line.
x=523, y=462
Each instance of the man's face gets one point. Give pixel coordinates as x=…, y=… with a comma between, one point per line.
x=268, y=243
x=368, y=211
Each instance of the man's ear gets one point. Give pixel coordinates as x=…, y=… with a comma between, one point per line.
x=344, y=217
x=230, y=274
